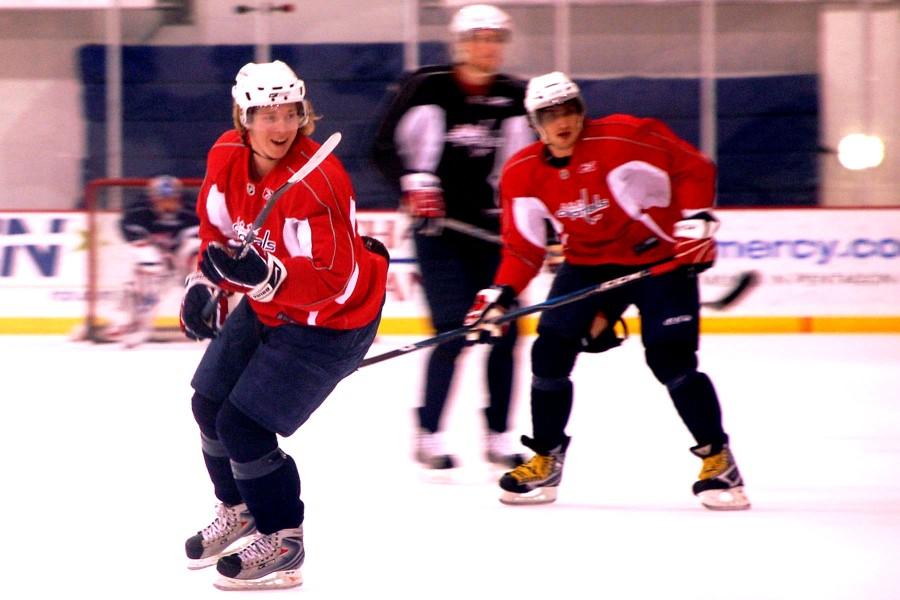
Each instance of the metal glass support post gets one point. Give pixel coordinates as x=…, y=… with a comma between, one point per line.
x=113, y=25
x=708, y=108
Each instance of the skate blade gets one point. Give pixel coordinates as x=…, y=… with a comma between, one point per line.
x=732, y=499
x=544, y=495
x=280, y=580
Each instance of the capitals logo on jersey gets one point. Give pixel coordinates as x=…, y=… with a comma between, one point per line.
x=588, y=209
x=242, y=230
x=479, y=138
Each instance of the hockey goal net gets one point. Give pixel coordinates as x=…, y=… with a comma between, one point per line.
x=111, y=278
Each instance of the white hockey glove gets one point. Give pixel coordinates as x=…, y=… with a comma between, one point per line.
x=250, y=273
x=490, y=303
x=197, y=292
x=695, y=245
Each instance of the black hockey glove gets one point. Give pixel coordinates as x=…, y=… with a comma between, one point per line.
x=490, y=303
x=250, y=273
x=198, y=291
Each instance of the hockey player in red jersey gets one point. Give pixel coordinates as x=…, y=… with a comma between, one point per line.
x=314, y=290
x=624, y=193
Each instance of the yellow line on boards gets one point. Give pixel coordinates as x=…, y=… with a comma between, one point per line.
x=422, y=326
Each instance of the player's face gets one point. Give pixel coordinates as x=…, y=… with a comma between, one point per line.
x=560, y=127
x=166, y=204
x=272, y=129
x=483, y=49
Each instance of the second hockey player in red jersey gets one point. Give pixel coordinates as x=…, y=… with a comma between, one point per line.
x=624, y=194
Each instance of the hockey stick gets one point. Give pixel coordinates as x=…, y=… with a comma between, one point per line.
x=314, y=161
x=512, y=315
x=745, y=280
x=471, y=230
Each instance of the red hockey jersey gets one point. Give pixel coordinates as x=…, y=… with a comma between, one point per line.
x=615, y=202
x=332, y=280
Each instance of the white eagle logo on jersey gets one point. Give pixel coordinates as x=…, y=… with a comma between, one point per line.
x=583, y=208
x=241, y=228
x=479, y=138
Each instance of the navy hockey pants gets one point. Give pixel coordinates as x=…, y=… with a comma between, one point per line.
x=669, y=307
x=255, y=381
x=454, y=268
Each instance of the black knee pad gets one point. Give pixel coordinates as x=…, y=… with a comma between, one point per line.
x=205, y=411
x=669, y=362
x=244, y=438
x=553, y=356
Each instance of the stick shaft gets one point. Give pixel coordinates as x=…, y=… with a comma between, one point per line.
x=527, y=310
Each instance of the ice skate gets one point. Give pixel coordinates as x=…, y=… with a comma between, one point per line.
x=430, y=451
x=535, y=481
x=499, y=451
x=720, y=486
x=270, y=562
x=230, y=530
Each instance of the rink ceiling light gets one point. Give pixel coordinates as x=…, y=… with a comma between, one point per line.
x=859, y=151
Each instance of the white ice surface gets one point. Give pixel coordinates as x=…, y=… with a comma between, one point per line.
x=102, y=480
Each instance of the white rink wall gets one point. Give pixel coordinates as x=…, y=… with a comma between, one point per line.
x=819, y=270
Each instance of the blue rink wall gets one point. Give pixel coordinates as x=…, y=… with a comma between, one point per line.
x=177, y=100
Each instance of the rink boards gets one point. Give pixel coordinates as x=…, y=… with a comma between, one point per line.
x=820, y=270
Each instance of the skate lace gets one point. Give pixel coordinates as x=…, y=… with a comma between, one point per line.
x=221, y=525
x=537, y=468
x=713, y=466
x=261, y=549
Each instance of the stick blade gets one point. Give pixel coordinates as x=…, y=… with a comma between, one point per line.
x=745, y=282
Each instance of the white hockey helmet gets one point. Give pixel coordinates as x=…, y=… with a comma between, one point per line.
x=267, y=84
x=479, y=16
x=164, y=186
x=551, y=89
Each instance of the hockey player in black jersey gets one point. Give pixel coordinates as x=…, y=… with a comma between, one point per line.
x=161, y=232
x=443, y=140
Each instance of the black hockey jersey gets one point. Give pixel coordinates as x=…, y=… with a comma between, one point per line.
x=434, y=125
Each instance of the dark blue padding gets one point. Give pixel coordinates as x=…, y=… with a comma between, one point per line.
x=177, y=100
x=768, y=140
